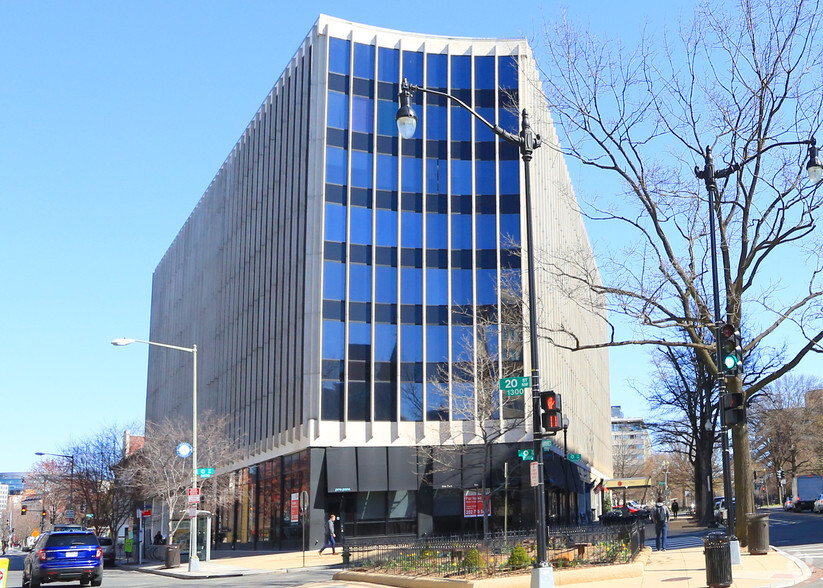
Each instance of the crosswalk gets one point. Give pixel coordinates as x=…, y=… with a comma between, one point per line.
x=677, y=542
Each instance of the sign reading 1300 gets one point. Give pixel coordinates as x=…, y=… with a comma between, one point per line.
x=515, y=386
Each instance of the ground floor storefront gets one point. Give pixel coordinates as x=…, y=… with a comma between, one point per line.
x=284, y=503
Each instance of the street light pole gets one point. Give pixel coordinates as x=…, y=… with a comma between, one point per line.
x=194, y=561
x=527, y=141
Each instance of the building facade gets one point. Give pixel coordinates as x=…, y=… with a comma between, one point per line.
x=344, y=288
x=631, y=445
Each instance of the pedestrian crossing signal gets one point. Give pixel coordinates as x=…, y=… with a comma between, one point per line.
x=550, y=409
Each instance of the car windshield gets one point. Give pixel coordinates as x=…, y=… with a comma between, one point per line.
x=104, y=540
x=71, y=540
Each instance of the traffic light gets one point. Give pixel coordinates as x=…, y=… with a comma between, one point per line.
x=550, y=407
x=731, y=350
x=23, y=510
x=44, y=514
x=734, y=410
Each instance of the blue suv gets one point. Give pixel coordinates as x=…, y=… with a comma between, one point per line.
x=60, y=556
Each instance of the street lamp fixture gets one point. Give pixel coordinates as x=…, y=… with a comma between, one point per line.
x=194, y=561
x=71, y=477
x=814, y=168
x=527, y=141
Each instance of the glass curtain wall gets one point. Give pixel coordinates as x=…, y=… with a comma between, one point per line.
x=418, y=242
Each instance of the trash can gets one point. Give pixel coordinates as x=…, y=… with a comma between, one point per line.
x=757, y=525
x=173, y=556
x=718, y=559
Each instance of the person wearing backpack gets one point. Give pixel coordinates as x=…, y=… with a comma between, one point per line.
x=660, y=518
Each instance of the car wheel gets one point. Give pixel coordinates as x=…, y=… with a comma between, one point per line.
x=98, y=581
x=84, y=582
x=34, y=583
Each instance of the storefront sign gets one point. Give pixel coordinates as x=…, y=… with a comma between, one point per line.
x=473, y=504
x=295, y=508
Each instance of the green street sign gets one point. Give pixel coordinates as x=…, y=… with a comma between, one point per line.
x=515, y=386
x=546, y=444
x=205, y=472
x=526, y=454
x=575, y=457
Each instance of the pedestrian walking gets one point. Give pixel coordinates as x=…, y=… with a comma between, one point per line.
x=330, y=536
x=675, y=508
x=660, y=518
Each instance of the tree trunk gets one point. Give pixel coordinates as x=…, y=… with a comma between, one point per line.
x=743, y=485
x=704, y=496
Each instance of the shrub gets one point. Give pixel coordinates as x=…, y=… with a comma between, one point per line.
x=519, y=558
x=472, y=561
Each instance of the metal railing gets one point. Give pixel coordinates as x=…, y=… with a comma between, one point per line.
x=452, y=555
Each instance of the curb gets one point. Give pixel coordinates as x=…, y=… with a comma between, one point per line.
x=561, y=577
x=807, y=572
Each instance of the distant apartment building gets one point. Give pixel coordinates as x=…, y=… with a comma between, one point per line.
x=4, y=496
x=631, y=445
x=14, y=480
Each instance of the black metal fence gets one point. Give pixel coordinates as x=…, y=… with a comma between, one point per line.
x=448, y=556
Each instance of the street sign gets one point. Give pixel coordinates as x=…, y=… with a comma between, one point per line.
x=546, y=444
x=184, y=450
x=194, y=495
x=192, y=512
x=534, y=473
x=205, y=472
x=526, y=454
x=661, y=483
x=575, y=457
x=146, y=513
x=515, y=386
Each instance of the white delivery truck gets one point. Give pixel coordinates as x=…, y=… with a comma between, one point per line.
x=805, y=490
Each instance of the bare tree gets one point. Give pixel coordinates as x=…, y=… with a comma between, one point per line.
x=745, y=82
x=157, y=471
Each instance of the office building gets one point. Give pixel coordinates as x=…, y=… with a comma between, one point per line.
x=344, y=285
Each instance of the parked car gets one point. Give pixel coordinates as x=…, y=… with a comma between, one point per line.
x=787, y=504
x=109, y=552
x=818, y=504
x=720, y=511
x=60, y=556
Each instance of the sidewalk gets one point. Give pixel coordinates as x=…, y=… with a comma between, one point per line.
x=674, y=568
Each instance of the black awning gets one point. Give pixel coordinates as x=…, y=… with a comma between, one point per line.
x=341, y=469
x=403, y=468
x=573, y=481
x=372, y=473
x=554, y=473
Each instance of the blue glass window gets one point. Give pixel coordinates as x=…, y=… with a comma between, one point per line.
x=461, y=231
x=462, y=344
x=484, y=133
x=437, y=401
x=437, y=71
x=413, y=67
x=461, y=287
x=509, y=230
x=359, y=335
x=361, y=169
x=338, y=56
x=360, y=225
x=463, y=401
x=386, y=227
x=338, y=110
x=333, y=339
x=511, y=122
x=388, y=65
x=411, y=230
x=510, y=177
x=335, y=166
x=411, y=343
x=507, y=72
x=362, y=115
x=485, y=177
x=332, y=402
x=411, y=402
x=436, y=176
x=486, y=286
x=437, y=287
x=334, y=280
x=359, y=283
x=491, y=340
x=386, y=172
x=335, y=223
x=486, y=231
x=386, y=121
x=437, y=344
x=436, y=123
x=386, y=284
x=437, y=236
x=461, y=71
x=413, y=175
x=461, y=177
x=359, y=401
x=461, y=124
x=411, y=285
x=364, y=61
x=385, y=342
x=385, y=402
x=484, y=72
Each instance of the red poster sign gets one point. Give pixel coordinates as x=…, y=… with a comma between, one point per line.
x=295, y=508
x=473, y=504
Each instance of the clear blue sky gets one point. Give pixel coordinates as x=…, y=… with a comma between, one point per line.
x=114, y=118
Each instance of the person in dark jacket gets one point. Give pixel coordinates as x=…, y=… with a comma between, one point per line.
x=675, y=508
x=330, y=536
x=660, y=518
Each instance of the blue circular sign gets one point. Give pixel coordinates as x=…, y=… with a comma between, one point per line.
x=184, y=450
